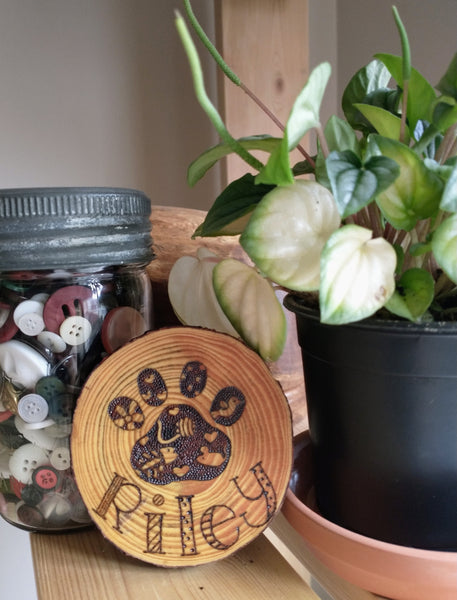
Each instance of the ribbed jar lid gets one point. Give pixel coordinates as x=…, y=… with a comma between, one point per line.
x=48, y=228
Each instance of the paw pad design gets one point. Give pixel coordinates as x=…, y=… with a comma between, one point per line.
x=181, y=445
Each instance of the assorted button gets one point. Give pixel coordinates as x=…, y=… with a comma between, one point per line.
x=75, y=330
x=32, y=408
x=53, y=332
x=121, y=325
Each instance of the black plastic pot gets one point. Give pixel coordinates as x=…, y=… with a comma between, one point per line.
x=382, y=407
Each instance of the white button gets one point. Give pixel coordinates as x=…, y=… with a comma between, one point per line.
x=25, y=460
x=60, y=430
x=22, y=364
x=28, y=316
x=42, y=297
x=52, y=341
x=33, y=408
x=75, y=330
x=55, y=508
x=39, y=437
x=60, y=458
x=47, y=423
x=31, y=324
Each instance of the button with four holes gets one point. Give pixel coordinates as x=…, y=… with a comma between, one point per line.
x=45, y=478
x=28, y=316
x=33, y=408
x=25, y=460
x=75, y=330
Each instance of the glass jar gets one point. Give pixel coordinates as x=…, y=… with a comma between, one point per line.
x=73, y=289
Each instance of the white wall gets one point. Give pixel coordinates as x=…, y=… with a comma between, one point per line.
x=98, y=92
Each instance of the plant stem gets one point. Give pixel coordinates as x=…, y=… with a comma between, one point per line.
x=209, y=45
x=322, y=141
x=232, y=76
x=448, y=146
x=406, y=70
x=273, y=117
x=204, y=100
x=375, y=222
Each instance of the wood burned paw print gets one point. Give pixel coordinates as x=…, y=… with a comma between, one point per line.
x=181, y=445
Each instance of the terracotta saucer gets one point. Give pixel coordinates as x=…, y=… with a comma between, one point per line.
x=398, y=572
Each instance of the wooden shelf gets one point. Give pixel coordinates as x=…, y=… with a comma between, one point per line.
x=278, y=564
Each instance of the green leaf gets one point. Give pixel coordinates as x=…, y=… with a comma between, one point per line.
x=445, y=113
x=449, y=198
x=339, y=136
x=416, y=192
x=287, y=231
x=370, y=78
x=250, y=303
x=357, y=275
x=413, y=295
x=421, y=95
x=198, y=168
x=233, y=207
x=447, y=85
x=384, y=122
x=277, y=171
x=303, y=117
x=420, y=248
x=444, y=245
x=305, y=111
x=355, y=185
x=303, y=168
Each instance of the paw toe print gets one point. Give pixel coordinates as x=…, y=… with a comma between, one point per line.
x=182, y=444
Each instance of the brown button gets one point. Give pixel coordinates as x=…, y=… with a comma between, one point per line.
x=121, y=325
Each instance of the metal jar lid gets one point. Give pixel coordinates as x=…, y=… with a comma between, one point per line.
x=47, y=228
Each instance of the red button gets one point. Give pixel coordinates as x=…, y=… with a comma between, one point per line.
x=16, y=486
x=45, y=478
x=69, y=301
x=121, y=325
x=9, y=328
x=5, y=415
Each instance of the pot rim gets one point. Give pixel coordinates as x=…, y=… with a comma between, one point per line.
x=298, y=305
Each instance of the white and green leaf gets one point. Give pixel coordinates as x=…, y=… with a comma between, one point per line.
x=444, y=246
x=303, y=117
x=416, y=192
x=191, y=292
x=251, y=305
x=287, y=231
x=357, y=275
x=449, y=198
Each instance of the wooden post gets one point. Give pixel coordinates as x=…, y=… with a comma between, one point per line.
x=266, y=43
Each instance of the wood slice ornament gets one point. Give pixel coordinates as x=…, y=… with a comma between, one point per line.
x=182, y=446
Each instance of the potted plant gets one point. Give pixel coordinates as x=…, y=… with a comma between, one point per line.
x=362, y=234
